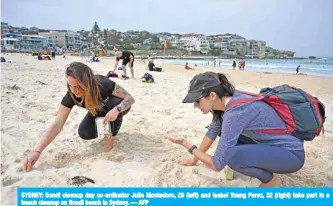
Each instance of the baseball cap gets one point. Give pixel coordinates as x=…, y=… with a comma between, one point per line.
x=199, y=84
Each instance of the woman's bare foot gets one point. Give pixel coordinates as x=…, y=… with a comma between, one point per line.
x=271, y=183
x=110, y=141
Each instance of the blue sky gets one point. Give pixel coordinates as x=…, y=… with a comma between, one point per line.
x=304, y=26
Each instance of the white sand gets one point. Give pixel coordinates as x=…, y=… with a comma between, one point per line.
x=141, y=155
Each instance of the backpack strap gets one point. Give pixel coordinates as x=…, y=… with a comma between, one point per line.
x=243, y=101
x=256, y=97
x=272, y=131
x=248, y=93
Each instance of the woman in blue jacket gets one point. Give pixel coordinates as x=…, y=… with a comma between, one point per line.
x=240, y=147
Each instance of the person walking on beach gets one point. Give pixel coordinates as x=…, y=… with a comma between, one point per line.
x=243, y=145
x=99, y=95
x=128, y=58
x=234, y=65
x=53, y=55
x=297, y=69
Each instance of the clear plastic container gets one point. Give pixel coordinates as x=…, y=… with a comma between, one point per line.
x=102, y=129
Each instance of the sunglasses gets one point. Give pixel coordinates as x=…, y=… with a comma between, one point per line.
x=198, y=100
x=196, y=103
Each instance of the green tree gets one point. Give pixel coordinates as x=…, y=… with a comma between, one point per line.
x=125, y=47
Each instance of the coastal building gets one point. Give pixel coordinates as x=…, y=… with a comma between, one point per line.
x=54, y=38
x=195, y=42
x=225, y=43
x=238, y=45
x=175, y=42
x=255, y=49
x=211, y=39
x=19, y=42
x=217, y=43
x=9, y=43
x=68, y=40
x=4, y=28
x=73, y=40
x=215, y=40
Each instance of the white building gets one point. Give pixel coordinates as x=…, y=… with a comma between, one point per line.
x=19, y=42
x=73, y=40
x=195, y=42
x=9, y=43
x=176, y=42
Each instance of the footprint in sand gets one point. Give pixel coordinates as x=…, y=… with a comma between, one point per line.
x=142, y=121
x=4, y=168
x=62, y=159
x=166, y=112
x=9, y=180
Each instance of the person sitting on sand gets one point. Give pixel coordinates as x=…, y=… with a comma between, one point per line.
x=187, y=67
x=152, y=67
x=127, y=57
x=251, y=153
x=99, y=95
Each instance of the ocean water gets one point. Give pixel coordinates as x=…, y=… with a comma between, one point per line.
x=315, y=67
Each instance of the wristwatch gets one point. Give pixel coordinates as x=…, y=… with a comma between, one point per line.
x=192, y=148
x=119, y=109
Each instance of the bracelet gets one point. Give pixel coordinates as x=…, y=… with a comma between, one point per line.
x=192, y=148
x=37, y=151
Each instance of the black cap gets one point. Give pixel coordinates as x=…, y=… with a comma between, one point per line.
x=198, y=85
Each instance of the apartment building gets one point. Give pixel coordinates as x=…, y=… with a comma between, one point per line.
x=238, y=45
x=19, y=42
x=255, y=49
x=54, y=38
x=195, y=42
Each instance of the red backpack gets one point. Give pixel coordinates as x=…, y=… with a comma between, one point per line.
x=303, y=114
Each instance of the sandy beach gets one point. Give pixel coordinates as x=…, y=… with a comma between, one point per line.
x=31, y=92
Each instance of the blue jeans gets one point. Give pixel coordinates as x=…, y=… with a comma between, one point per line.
x=261, y=161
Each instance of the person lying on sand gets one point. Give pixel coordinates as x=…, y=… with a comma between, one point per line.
x=99, y=95
x=251, y=153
